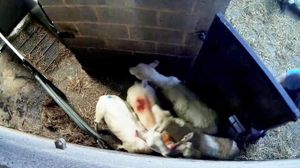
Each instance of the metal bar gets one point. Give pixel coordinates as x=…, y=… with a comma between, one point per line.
x=48, y=47
x=38, y=44
x=39, y=13
x=67, y=108
x=57, y=95
x=12, y=47
x=28, y=38
x=51, y=62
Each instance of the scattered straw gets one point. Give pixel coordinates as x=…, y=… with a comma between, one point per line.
x=276, y=39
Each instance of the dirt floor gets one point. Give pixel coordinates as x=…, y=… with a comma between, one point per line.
x=276, y=39
x=25, y=106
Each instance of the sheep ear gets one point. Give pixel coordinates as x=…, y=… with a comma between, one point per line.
x=184, y=140
x=188, y=137
x=154, y=64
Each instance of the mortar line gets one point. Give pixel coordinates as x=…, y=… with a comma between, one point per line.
x=158, y=18
x=109, y=6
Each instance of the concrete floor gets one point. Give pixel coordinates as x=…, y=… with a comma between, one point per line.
x=24, y=150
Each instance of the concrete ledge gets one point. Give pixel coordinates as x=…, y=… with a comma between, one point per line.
x=24, y=150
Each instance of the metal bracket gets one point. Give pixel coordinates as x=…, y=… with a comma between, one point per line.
x=241, y=135
x=39, y=13
x=236, y=125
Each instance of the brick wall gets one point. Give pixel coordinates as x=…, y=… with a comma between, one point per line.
x=164, y=27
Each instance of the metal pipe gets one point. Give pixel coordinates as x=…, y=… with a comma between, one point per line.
x=57, y=95
x=12, y=47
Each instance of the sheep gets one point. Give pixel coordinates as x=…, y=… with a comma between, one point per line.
x=154, y=140
x=195, y=144
x=124, y=124
x=141, y=97
x=203, y=145
x=185, y=103
x=121, y=122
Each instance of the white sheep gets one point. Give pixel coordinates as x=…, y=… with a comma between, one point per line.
x=122, y=123
x=201, y=145
x=215, y=147
x=191, y=143
x=185, y=103
x=141, y=97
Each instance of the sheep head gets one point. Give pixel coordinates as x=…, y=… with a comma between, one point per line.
x=144, y=71
x=154, y=140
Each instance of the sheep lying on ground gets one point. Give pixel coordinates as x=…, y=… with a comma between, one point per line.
x=185, y=103
x=124, y=124
x=141, y=97
x=151, y=128
x=121, y=123
x=194, y=144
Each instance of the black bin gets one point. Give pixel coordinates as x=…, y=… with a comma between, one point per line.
x=229, y=77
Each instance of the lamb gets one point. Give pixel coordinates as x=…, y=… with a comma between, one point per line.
x=185, y=103
x=203, y=145
x=141, y=97
x=193, y=144
x=121, y=122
